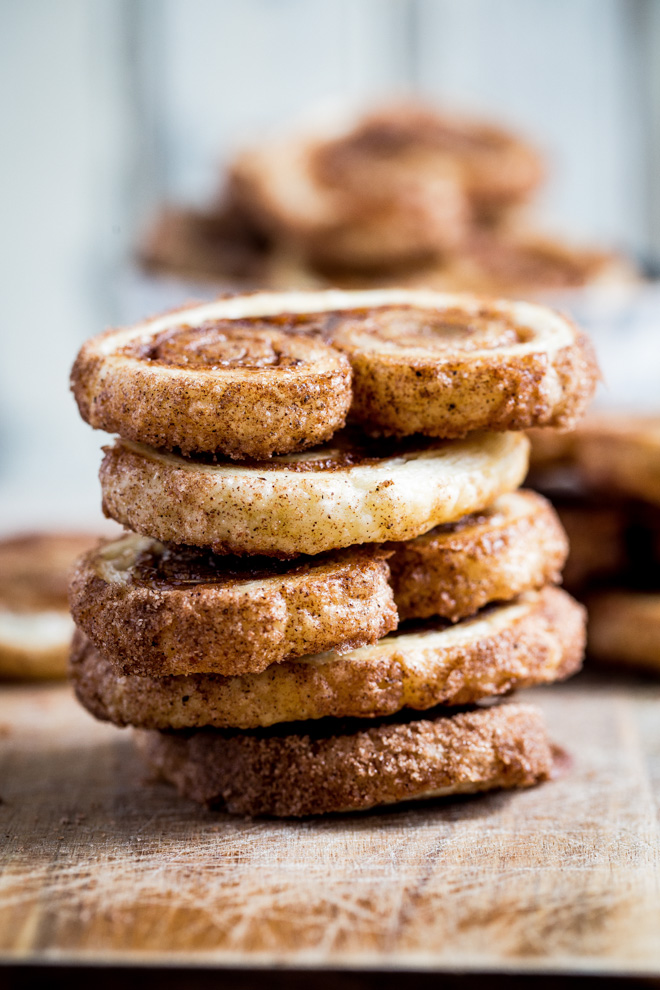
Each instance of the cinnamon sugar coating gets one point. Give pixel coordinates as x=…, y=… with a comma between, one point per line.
x=443, y=365
x=331, y=497
x=537, y=639
x=274, y=373
x=215, y=379
x=338, y=767
x=155, y=611
x=517, y=544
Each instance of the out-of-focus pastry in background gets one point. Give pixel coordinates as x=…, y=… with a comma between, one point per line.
x=604, y=481
x=35, y=625
x=403, y=195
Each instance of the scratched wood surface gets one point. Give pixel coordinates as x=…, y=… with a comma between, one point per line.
x=100, y=863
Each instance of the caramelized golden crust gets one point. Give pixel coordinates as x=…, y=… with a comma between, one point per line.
x=517, y=544
x=216, y=378
x=621, y=453
x=342, y=767
x=325, y=499
x=442, y=365
x=537, y=639
x=624, y=628
x=157, y=611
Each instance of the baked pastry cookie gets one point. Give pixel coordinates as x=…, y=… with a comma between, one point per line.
x=157, y=610
x=290, y=190
x=351, y=491
x=515, y=545
x=244, y=376
x=442, y=365
x=519, y=263
x=401, y=184
x=624, y=628
x=349, y=766
x=537, y=639
x=208, y=246
x=621, y=453
x=35, y=625
x=410, y=142
x=254, y=375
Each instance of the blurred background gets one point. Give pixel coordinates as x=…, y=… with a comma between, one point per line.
x=111, y=108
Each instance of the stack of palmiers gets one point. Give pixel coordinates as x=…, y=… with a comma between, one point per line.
x=308, y=617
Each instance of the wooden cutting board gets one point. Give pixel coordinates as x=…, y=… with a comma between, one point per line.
x=99, y=863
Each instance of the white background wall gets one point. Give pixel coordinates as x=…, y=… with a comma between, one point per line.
x=108, y=106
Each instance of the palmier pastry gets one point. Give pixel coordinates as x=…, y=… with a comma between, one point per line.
x=349, y=766
x=331, y=497
x=207, y=246
x=159, y=610
x=403, y=146
x=394, y=218
x=442, y=365
x=515, y=545
x=537, y=639
x=621, y=453
x=492, y=262
x=35, y=625
x=242, y=376
x=250, y=376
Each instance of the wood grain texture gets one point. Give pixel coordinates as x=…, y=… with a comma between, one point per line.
x=97, y=864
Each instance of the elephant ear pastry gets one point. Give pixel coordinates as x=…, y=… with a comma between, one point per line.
x=237, y=377
x=341, y=766
x=536, y=639
x=517, y=544
x=349, y=491
x=161, y=610
x=443, y=365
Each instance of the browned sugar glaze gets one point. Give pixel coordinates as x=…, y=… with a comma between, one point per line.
x=261, y=342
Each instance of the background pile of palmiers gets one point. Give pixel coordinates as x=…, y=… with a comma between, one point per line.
x=403, y=195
